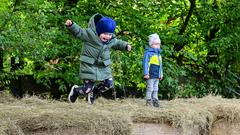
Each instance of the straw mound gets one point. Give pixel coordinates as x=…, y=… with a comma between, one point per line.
x=32, y=115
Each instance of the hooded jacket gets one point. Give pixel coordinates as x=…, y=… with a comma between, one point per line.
x=152, y=63
x=95, y=55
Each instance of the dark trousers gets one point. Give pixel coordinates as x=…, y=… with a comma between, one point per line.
x=103, y=86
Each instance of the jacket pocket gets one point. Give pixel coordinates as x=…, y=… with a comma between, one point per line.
x=87, y=59
x=107, y=62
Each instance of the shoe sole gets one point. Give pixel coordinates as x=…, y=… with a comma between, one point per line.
x=71, y=93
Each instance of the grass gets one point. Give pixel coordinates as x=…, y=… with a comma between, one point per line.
x=32, y=115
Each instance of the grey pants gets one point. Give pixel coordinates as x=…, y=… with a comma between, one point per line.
x=152, y=89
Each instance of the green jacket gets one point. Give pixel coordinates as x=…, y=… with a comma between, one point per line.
x=95, y=56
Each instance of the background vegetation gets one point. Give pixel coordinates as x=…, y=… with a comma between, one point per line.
x=200, y=42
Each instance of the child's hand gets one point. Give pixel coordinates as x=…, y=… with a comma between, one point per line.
x=68, y=23
x=160, y=78
x=129, y=47
x=146, y=77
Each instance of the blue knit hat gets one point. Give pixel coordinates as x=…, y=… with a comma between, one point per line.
x=105, y=24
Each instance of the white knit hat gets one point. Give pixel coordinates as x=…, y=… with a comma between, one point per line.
x=154, y=38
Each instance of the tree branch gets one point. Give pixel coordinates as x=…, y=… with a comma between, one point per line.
x=190, y=12
x=178, y=46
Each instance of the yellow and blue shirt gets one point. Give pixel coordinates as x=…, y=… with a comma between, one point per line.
x=152, y=63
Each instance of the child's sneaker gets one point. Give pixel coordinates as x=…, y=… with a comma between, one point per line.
x=90, y=97
x=156, y=103
x=149, y=102
x=74, y=93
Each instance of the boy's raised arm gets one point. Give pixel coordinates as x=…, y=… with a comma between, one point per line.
x=121, y=45
x=76, y=30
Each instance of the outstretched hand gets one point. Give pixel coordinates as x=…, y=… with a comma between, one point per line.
x=129, y=47
x=68, y=23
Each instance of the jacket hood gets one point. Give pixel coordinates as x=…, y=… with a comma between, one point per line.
x=93, y=21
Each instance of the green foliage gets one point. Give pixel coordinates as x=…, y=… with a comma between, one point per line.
x=33, y=31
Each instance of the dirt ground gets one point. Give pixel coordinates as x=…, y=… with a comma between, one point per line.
x=154, y=129
x=222, y=127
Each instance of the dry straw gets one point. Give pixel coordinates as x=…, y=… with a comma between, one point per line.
x=32, y=115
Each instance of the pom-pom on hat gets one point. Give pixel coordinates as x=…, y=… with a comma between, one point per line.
x=154, y=38
x=105, y=24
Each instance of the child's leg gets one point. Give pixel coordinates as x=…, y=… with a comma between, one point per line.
x=75, y=92
x=149, y=88
x=88, y=86
x=155, y=89
x=155, y=93
x=88, y=89
x=105, y=85
x=80, y=90
x=109, y=85
x=149, y=92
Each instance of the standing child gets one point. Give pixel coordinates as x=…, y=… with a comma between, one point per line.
x=95, y=61
x=152, y=68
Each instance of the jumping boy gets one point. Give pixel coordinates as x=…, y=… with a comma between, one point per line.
x=95, y=61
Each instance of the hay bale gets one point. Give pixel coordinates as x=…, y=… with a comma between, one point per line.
x=32, y=115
